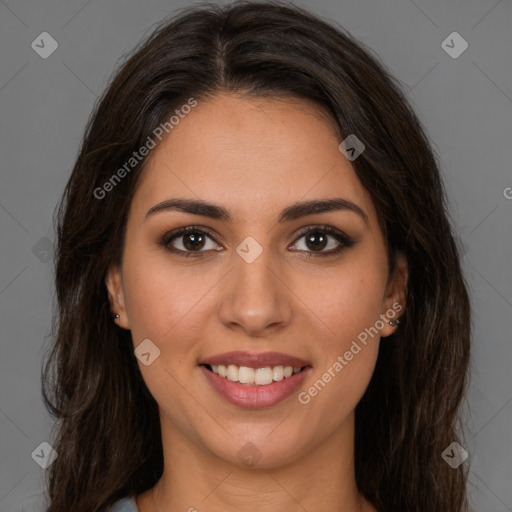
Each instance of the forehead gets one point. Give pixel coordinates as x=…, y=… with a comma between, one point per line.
x=248, y=153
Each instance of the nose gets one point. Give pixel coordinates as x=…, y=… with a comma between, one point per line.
x=255, y=298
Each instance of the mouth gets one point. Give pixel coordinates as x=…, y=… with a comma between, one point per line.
x=247, y=376
x=255, y=380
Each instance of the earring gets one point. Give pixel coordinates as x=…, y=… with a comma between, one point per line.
x=394, y=322
x=115, y=317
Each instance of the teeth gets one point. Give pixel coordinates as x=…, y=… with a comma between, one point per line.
x=263, y=376
x=278, y=373
x=246, y=375
x=258, y=376
x=232, y=373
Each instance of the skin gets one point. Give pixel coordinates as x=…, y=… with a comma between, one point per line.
x=254, y=156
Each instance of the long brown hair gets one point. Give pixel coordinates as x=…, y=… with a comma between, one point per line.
x=108, y=433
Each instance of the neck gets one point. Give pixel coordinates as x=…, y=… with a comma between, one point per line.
x=194, y=479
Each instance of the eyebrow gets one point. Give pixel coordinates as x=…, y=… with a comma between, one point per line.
x=292, y=212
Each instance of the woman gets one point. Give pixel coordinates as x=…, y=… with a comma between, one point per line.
x=261, y=305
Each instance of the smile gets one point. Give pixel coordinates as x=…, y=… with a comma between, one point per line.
x=255, y=381
x=254, y=376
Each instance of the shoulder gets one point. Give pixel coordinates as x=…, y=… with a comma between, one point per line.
x=124, y=505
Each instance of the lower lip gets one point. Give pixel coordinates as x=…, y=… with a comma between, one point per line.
x=255, y=396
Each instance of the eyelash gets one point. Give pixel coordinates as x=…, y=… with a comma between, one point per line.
x=344, y=240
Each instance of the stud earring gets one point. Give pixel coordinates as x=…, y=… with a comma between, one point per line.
x=394, y=323
x=115, y=317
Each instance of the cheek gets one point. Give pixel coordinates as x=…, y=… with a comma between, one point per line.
x=351, y=308
x=163, y=309
x=159, y=300
x=351, y=299
x=347, y=366
x=169, y=307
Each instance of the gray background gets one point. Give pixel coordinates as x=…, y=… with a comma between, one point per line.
x=465, y=104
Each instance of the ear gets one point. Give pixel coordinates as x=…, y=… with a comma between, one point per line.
x=114, y=284
x=393, y=305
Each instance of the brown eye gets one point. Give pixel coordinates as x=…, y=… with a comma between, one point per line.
x=187, y=241
x=318, y=239
x=193, y=241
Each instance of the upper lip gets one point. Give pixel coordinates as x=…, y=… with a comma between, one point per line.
x=252, y=360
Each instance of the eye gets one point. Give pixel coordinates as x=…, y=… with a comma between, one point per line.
x=187, y=241
x=319, y=238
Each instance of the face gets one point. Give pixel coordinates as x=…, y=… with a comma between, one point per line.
x=257, y=284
